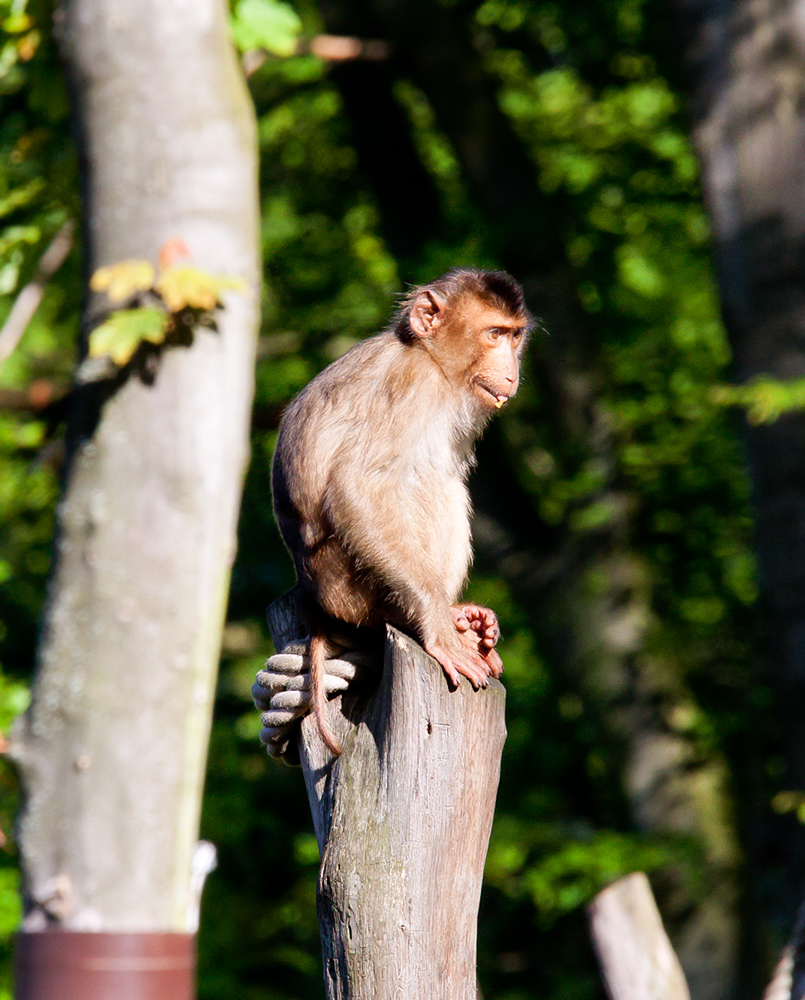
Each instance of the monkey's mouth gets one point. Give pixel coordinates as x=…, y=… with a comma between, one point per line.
x=489, y=395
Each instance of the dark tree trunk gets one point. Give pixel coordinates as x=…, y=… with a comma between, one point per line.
x=747, y=79
x=597, y=639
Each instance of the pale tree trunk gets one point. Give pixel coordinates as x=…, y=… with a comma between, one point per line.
x=113, y=749
x=747, y=69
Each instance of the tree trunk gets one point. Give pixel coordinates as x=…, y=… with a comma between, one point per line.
x=747, y=77
x=113, y=749
x=403, y=819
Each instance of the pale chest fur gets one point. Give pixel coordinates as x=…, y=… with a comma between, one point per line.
x=434, y=494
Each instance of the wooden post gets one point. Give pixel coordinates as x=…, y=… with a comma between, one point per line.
x=403, y=819
x=637, y=960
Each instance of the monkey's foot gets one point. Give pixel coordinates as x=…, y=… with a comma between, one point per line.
x=460, y=662
x=482, y=621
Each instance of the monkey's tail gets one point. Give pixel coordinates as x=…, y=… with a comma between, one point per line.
x=318, y=693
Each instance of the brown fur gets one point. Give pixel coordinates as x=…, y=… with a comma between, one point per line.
x=371, y=463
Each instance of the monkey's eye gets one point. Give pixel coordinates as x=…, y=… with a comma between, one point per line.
x=517, y=335
x=494, y=333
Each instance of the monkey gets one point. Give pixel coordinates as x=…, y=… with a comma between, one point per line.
x=370, y=470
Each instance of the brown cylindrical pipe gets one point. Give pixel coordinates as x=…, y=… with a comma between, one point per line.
x=76, y=965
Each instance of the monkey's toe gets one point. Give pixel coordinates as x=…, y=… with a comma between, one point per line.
x=494, y=662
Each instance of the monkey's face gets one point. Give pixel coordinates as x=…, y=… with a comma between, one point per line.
x=494, y=344
x=476, y=345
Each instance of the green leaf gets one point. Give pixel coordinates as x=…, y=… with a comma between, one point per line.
x=15, y=24
x=10, y=903
x=764, y=399
x=121, y=335
x=14, y=236
x=21, y=196
x=266, y=24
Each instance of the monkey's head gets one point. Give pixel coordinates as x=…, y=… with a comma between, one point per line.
x=474, y=324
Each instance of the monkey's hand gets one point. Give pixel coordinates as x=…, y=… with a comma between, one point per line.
x=282, y=691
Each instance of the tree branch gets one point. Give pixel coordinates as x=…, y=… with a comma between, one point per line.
x=27, y=302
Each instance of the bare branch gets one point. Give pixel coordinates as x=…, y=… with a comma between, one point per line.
x=27, y=302
x=330, y=48
x=34, y=398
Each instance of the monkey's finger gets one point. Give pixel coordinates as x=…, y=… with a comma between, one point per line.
x=273, y=734
x=290, y=700
x=299, y=647
x=477, y=678
x=474, y=668
x=262, y=695
x=490, y=637
x=276, y=722
x=340, y=668
x=333, y=684
x=492, y=658
x=477, y=611
x=284, y=670
x=261, y=701
x=267, y=688
x=452, y=675
x=286, y=663
x=269, y=683
x=285, y=712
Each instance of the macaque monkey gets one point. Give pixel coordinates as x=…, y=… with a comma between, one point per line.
x=369, y=475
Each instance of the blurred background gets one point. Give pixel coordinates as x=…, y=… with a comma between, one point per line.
x=653, y=671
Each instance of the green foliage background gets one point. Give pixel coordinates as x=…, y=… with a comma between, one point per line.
x=589, y=89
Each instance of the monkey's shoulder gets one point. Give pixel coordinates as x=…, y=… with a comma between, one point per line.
x=366, y=384
x=382, y=406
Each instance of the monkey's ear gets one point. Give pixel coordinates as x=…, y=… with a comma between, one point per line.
x=427, y=314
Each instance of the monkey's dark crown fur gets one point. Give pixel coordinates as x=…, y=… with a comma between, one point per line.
x=496, y=287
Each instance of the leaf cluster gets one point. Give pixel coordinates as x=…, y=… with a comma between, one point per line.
x=184, y=297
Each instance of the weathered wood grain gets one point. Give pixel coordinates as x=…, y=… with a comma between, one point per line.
x=403, y=819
